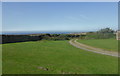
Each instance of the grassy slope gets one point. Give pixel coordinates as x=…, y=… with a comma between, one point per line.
x=57, y=56
x=107, y=44
x=0, y=59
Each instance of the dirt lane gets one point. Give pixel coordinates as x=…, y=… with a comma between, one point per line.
x=92, y=49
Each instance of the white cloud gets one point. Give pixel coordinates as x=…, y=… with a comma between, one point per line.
x=83, y=17
x=80, y=18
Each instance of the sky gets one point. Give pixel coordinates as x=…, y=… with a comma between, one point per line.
x=0, y=16
x=59, y=16
x=60, y=0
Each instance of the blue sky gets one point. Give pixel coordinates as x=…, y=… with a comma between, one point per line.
x=0, y=16
x=59, y=16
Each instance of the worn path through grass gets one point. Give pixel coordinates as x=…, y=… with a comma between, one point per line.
x=106, y=44
x=92, y=49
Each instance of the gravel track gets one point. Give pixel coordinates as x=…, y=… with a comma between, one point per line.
x=92, y=49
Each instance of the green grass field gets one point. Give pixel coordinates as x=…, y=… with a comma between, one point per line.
x=0, y=59
x=107, y=44
x=57, y=56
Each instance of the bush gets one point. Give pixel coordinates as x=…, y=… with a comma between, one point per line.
x=101, y=34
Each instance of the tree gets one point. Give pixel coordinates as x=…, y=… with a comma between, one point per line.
x=106, y=30
x=101, y=34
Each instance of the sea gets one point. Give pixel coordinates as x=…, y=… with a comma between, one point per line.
x=33, y=32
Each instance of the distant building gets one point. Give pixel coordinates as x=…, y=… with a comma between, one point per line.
x=118, y=35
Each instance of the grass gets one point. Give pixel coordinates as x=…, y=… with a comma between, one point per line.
x=57, y=56
x=0, y=59
x=107, y=44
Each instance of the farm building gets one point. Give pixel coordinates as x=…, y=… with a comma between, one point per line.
x=118, y=35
